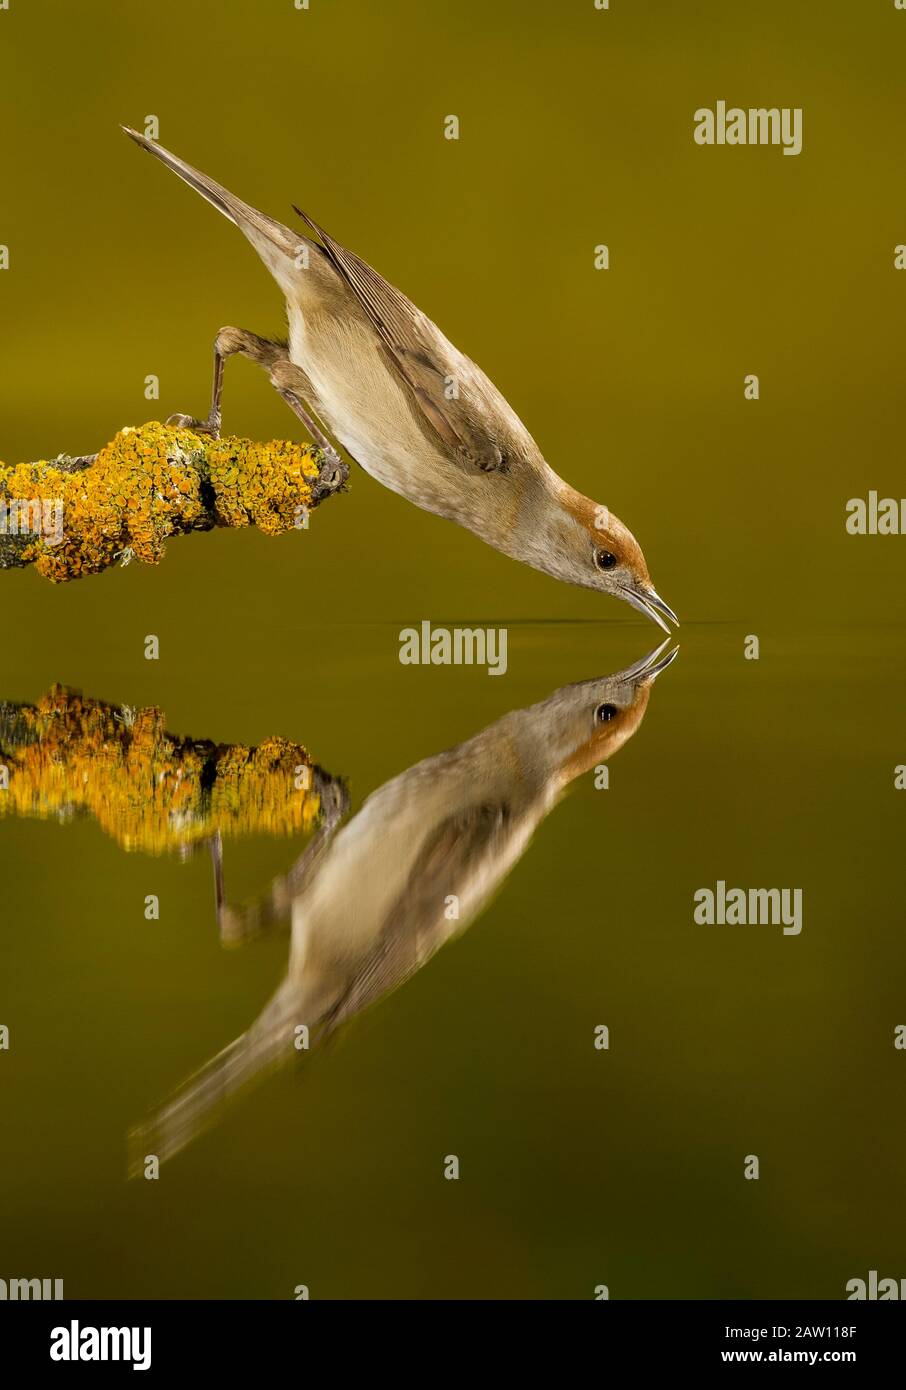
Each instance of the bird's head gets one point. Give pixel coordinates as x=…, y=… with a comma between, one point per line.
x=585, y=724
x=613, y=708
x=584, y=543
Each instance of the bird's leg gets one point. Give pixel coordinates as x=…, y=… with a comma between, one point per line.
x=239, y=924
x=229, y=341
x=293, y=385
x=216, y=848
x=272, y=908
x=288, y=379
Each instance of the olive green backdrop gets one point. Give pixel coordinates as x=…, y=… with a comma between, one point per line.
x=576, y=129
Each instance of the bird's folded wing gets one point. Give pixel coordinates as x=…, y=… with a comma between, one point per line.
x=416, y=925
x=417, y=352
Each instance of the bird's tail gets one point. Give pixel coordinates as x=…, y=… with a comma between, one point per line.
x=204, y=1097
x=277, y=245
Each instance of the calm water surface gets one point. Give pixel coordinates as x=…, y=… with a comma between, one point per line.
x=427, y=793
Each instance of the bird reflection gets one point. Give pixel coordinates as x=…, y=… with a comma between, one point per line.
x=371, y=902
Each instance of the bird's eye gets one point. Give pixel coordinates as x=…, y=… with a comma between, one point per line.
x=605, y=559
x=604, y=713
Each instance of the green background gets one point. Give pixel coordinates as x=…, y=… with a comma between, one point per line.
x=578, y=1167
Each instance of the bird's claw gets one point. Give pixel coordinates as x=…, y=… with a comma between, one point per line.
x=332, y=470
x=211, y=426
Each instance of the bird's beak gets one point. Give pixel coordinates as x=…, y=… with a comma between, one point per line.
x=651, y=604
x=650, y=666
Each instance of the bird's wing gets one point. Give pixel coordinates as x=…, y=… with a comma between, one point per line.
x=416, y=350
x=415, y=927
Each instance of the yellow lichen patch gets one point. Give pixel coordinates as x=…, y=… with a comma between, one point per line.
x=263, y=485
x=69, y=756
x=154, y=482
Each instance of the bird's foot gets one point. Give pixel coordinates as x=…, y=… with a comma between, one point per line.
x=332, y=471
x=210, y=426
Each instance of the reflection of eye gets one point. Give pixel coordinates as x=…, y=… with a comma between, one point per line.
x=605, y=559
x=604, y=713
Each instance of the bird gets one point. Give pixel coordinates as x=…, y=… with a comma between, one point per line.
x=371, y=901
x=364, y=363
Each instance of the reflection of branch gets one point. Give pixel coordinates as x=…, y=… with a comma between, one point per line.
x=150, y=789
x=75, y=516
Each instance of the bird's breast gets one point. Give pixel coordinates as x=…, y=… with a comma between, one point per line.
x=365, y=404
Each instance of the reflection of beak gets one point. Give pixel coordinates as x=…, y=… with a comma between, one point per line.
x=651, y=604
x=650, y=666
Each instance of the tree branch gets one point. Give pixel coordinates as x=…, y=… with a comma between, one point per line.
x=75, y=516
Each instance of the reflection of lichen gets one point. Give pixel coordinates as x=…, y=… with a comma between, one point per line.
x=153, y=482
x=150, y=790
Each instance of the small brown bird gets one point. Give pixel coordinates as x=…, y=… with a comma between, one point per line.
x=369, y=902
x=415, y=412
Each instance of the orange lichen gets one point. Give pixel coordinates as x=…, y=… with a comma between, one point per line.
x=150, y=790
x=154, y=482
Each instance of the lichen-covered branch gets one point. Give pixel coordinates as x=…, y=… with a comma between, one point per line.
x=70, y=756
x=75, y=516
